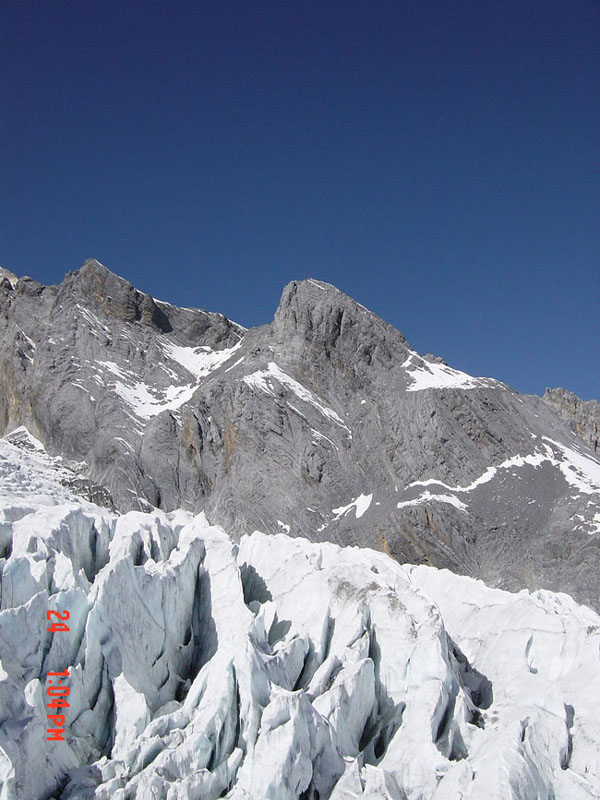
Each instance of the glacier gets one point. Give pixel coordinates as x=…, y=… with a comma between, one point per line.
x=273, y=668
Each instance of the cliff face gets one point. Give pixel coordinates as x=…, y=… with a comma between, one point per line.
x=324, y=423
x=582, y=416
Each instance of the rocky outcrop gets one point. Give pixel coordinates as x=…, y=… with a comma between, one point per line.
x=582, y=416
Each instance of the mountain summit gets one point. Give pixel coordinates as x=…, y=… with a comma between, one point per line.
x=324, y=424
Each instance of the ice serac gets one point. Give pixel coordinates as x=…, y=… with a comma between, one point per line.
x=274, y=668
x=281, y=426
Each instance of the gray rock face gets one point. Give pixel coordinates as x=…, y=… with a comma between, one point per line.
x=582, y=416
x=324, y=422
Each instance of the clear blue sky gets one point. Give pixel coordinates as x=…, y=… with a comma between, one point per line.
x=438, y=161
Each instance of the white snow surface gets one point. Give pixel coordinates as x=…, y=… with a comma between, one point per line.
x=427, y=497
x=199, y=361
x=360, y=504
x=429, y=375
x=579, y=469
x=276, y=669
x=146, y=402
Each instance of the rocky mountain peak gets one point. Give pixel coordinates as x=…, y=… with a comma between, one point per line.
x=93, y=276
x=324, y=321
x=113, y=295
x=92, y=265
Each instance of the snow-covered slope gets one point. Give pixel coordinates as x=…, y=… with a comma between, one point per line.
x=276, y=668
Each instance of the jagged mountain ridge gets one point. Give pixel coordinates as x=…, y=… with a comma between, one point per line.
x=324, y=423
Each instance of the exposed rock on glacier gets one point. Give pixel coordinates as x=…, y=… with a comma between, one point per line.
x=276, y=668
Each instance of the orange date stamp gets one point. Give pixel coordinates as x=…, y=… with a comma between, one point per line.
x=57, y=691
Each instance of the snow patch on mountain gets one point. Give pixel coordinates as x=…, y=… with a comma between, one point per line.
x=318, y=436
x=95, y=324
x=582, y=471
x=146, y=402
x=533, y=459
x=429, y=375
x=427, y=497
x=360, y=504
x=198, y=361
x=263, y=380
